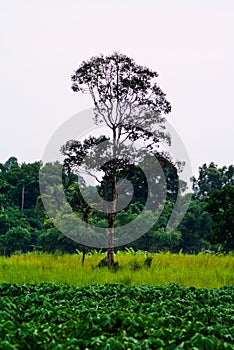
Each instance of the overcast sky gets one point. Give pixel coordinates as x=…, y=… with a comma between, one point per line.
x=190, y=46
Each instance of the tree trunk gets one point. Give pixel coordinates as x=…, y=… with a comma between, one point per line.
x=112, y=214
x=22, y=197
x=83, y=255
x=110, y=249
x=86, y=226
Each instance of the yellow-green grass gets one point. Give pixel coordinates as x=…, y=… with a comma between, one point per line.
x=202, y=270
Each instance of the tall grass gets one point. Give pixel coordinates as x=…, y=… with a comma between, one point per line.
x=202, y=270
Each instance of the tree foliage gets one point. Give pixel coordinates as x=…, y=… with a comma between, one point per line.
x=221, y=207
x=212, y=178
x=208, y=224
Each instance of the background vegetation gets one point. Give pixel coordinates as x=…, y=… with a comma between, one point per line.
x=208, y=224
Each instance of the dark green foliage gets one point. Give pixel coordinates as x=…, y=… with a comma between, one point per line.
x=212, y=178
x=20, y=183
x=208, y=223
x=195, y=227
x=51, y=239
x=172, y=317
x=221, y=207
x=148, y=261
x=16, y=239
x=115, y=266
x=102, y=263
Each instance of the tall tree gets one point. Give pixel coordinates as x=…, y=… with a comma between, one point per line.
x=128, y=101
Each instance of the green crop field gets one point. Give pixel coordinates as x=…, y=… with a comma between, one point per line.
x=48, y=316
x=203, y=270
x=157, y=301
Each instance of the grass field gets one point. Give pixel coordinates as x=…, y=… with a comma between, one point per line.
x=202, y=270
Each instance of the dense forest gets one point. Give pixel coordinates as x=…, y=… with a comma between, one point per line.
x=207, y=226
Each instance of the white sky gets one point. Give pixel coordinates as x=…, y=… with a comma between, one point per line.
x=191, y=46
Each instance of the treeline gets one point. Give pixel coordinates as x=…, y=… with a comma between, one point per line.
x=208, y=224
